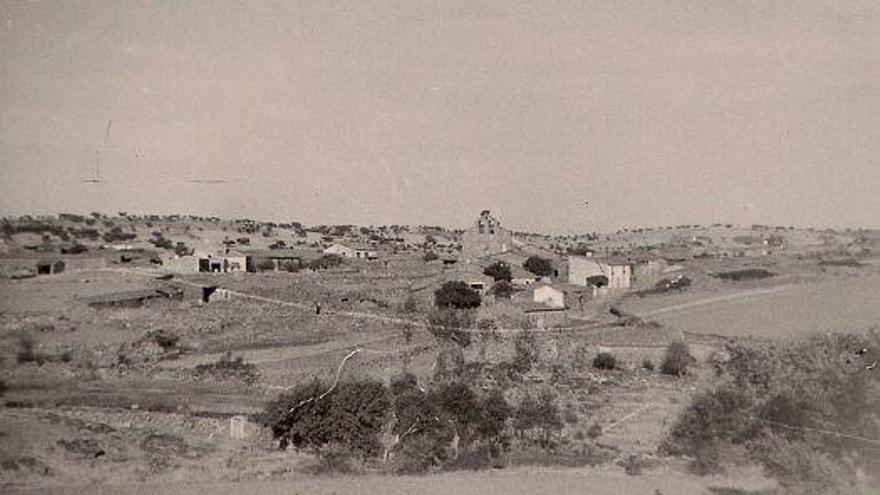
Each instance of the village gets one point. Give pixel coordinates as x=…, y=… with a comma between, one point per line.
x=176, y=332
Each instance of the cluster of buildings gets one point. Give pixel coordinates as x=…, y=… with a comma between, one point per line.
x=547, y=301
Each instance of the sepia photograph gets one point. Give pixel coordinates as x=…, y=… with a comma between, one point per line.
x=430, y=247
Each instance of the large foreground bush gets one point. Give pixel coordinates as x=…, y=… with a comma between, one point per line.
x=416, y=429
x=805, y=411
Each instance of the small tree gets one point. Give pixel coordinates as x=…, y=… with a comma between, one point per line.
x=541, y=267
x=525, y=351
x=605, y=361
x=677, y=359
x=503, y=289
x=498, y=271
x=456, y=294
x=351, y=415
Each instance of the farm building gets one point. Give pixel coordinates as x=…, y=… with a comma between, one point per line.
x=340, y=250
x=485, y=238
x=358, y=252
x=549, y=295
x=606, y=276
x=281, y=259
x=130, y=298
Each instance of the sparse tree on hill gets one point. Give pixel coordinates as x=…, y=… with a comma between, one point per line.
x=456, y=294
x=541, y=267
x=498, y=271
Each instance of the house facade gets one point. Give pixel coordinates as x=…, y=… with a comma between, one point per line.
x=586, y=271
x=549, y=296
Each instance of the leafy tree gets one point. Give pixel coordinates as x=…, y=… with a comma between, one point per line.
x=541, y=267
x=525, y=351
x=456, y=294
x=503, y=289
x=498, y=271
x=351, y=415
x=605, y=361
x=539, y=414
x=677, y=359
x=451, y=325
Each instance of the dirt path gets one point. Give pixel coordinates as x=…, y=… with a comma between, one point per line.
x=596, y=481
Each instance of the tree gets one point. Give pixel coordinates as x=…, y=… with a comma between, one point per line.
x=541, y=267
x=502, y=288
x=539, y=414
x=456, y=294
x=677, y=359
x=351, y=415
x=498, y=271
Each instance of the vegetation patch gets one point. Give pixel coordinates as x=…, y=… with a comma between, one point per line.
x=228, y=368
x=745, y=274
x=801, y=410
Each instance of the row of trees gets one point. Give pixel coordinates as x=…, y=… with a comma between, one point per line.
x=413, y=427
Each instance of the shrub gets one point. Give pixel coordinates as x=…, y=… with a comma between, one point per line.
x=265, y=265
x=227, y=368
x=76, y=248
x=410, y=305
x=27, y=352
x=116, y=234
x=594, y=432
x=430, y=256
x=456, y=294
x=776, y=399
x=503, y=289
x=538, y=415
x=315, y=416
x=605, y=361
x=498, y=271
x=539, y=266
x=648, y=364
x=290, y=266
x=451, y=325
x=165, y=340
x=677, y=359
x=525, y=350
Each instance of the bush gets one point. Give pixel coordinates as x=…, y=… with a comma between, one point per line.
x=775, y=401
x=677, y=359
x=165, y=340
x=27, y=352
x=538, y=415
x=430, y=256
x=116, y=234
x=451, y=325
x=456, y=294
x=525, y=350
x=265, y=265
x=648, y=364
x=605, y=361
x=503, y=289
x=315, y=416
x=539, y=266
x=229, y=368
x=498, y=271
x=410, y=305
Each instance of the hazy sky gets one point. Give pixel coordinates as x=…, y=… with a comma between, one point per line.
x=426, y=112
